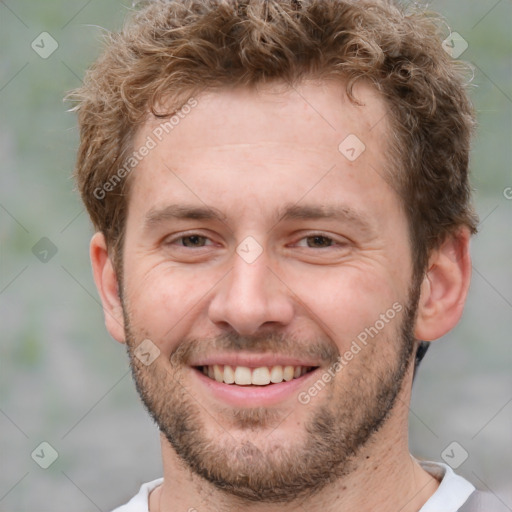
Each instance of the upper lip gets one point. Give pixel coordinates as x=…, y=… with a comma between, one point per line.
x=253, y=360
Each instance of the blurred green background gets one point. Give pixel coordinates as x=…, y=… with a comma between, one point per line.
x=64, y=381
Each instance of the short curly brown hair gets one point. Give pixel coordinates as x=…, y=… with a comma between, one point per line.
x=173, y=50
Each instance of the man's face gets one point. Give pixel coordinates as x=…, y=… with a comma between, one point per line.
x=251, y=242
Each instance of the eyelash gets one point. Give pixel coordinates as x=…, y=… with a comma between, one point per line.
x=333, y=241
x=182, y=237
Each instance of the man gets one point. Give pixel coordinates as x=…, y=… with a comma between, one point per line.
x=280, y=192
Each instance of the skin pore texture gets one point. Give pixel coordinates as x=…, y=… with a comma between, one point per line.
x=334, y=265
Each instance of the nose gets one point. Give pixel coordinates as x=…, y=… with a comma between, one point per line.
x=252, y=297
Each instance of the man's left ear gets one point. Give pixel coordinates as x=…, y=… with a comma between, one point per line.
x=445, y=287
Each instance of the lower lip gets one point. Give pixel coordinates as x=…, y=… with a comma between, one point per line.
x=254, y=396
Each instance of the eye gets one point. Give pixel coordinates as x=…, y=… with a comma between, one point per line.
x=191, y=241
x=317, y=241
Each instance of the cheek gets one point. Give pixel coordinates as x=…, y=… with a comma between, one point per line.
x=347, y=301
x=165, y=303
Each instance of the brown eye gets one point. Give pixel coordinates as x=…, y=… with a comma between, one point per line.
x=193, y=241
x=319, y=241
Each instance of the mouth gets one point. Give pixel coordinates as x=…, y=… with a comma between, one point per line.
x=259, y=376
x=246, y=380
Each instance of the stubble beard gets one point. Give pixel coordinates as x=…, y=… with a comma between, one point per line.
x=336, y=430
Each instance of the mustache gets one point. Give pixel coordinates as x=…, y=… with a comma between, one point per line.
x=321, y=349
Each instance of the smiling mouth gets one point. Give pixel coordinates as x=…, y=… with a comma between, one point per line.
x=261, y=376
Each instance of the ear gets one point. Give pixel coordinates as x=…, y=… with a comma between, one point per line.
x=444, y=287
x=108, y=287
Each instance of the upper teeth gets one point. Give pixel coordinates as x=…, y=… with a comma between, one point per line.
x=243, y=375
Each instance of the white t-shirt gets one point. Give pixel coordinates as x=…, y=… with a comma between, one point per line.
x=452, y=493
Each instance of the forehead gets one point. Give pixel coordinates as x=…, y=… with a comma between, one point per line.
x=312, y=109
x=243, y=144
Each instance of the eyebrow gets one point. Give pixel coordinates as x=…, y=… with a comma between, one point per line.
x=180, y=212
x=337, y=213
x=287, y=212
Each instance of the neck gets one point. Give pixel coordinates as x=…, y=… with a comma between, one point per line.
x=385, y=478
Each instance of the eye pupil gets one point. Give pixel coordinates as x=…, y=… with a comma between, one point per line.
x=319, y=240
x=196, y=241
